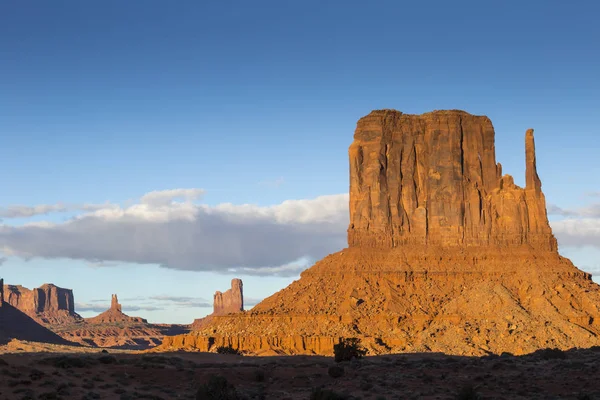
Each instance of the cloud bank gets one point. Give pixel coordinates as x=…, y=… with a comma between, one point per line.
x=580, y=227
x=277, y=240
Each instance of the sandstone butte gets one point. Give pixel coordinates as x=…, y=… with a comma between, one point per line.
x=16, y=324
x=230, y=301
x=445, y=254
x=48, y=304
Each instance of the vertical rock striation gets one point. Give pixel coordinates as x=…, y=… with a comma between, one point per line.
x=114, y=303
x=231, y=301
x=433, y=179
x=48, y=304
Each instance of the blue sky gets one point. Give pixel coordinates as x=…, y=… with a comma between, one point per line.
x=255, y=103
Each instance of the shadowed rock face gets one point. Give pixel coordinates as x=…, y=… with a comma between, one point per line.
x=231, y=301
x=48, y=304
x=1, y=292
x=433, y=179
x=46, y=298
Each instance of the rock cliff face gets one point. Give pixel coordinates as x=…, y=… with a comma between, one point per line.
x=48, y=304
x=445, y=254
x=1, y=292
x=433, y=179
x=231, y=301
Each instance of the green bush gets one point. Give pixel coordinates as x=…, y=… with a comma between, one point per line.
x=228, y=350
x=348, y=349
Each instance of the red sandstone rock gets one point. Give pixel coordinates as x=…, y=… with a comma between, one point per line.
x=433, y=179
x=1, y=292
x=445, y=254
x=48, y=304
x=231, y=301
x=114, y=314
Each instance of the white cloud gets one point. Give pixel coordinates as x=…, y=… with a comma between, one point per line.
x=188, y=236
x=577, y=232
x=20, y=211
x=166, y=197
x=99, y=308
x=3, y=260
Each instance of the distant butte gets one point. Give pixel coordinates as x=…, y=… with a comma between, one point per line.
x=230, y=301
x=445, y=254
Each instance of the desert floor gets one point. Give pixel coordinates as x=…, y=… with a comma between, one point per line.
x=61, y=373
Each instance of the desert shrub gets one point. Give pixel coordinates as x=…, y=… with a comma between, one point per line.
x=259, y=375
x=467, y=392
x=551, y=354
x=228, y=350
x=348, y=349
x=326, y=394
x=217, y=388
x=68, y=362
x=108, y=359
x=335, y=371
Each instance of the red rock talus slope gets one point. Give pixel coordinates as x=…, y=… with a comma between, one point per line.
x=113, y=328
x=445, y=254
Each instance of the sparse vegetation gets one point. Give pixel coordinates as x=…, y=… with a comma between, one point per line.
x=259, y=375
x=217, y=388
x=550, y=354
x=467, y=392
x=348, y=349
x=335, y=371
x=228, y=350
x=326, y=394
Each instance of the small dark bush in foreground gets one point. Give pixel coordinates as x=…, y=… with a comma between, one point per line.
x=68, y=362
x=326, y=394
x=551, y=354
x=228, y=350
x=335, y=371
x=467, y=392
x=348, y=349
x=217, y=388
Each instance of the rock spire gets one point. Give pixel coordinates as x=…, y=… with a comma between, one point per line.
x=114, y=303
x=231, y=301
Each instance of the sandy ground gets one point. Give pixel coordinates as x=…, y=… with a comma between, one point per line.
x=121, y=375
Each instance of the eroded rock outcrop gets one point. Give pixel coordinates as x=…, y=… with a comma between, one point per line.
x=231, y=301
x=48, y=304
x=445, y=254
x=433, y=179
x=114, y=314
x=115, y=329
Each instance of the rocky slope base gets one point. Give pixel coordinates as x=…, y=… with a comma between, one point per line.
x=115, y=329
